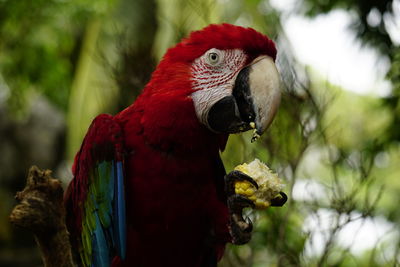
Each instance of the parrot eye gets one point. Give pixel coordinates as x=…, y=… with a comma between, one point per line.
x=213, y=57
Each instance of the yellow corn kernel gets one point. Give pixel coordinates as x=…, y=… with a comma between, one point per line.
x=252, y=198
x=245, y=185
x=244, y=188
x=239, y=191
x=260, y=204
x=249, y=192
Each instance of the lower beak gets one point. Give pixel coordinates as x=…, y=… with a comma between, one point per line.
x=254, y=101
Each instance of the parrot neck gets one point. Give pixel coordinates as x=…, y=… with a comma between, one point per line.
x=170, y=124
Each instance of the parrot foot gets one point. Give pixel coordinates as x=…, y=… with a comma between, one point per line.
x=280, y=200
x=240, y=228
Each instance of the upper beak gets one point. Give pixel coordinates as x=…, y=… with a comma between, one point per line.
x=254, y=101
x=264, y=84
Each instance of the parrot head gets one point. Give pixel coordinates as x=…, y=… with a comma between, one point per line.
x=229, y=74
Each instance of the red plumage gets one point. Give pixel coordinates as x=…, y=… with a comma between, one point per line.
x=176, y=207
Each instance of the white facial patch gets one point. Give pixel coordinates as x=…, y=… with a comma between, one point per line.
x=213, y=78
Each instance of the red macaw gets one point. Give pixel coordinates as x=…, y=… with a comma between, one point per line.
x=148, y=187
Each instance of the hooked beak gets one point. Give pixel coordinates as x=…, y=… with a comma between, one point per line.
x=254, y=101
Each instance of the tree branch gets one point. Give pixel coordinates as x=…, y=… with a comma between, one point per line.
x=41, y=211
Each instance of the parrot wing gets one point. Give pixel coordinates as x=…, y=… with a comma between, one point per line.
x=95, y=199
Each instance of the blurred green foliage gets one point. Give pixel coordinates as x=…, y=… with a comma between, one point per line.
x=39, y=46
x=88, y=57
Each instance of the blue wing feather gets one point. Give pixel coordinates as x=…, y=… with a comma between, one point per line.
x=95, y=200
x=108, y=196
x=100, y=246
x=104, y=227
x=119, y=211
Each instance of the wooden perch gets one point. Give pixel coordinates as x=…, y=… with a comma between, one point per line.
x=41, y=211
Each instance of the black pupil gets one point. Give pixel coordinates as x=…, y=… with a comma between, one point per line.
x=213, y=56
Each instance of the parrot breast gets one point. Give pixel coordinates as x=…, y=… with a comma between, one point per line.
x=174, y=187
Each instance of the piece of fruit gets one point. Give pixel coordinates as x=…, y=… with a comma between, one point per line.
x=269, y=184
